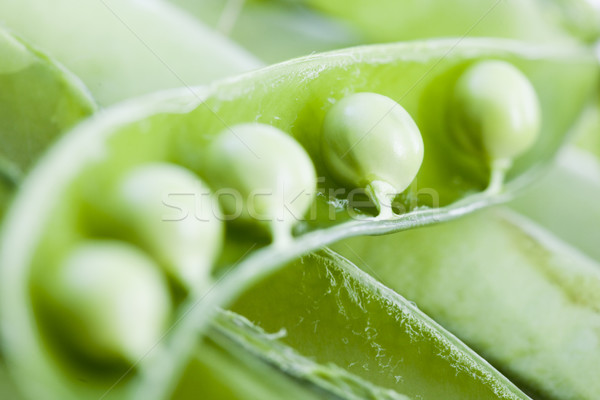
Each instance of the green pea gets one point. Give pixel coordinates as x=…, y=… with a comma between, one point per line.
x=263, y=175
x=370, y=141
x=496, y=113
x=175, y=215
x=112, y=300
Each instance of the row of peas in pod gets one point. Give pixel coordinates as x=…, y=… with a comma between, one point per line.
x=126, y=238
x=116, y=194
x=368, y=140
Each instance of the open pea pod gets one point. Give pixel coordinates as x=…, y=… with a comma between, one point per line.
x=525, y=300
x=39, y=100
x=118, y=195
x=126, y=48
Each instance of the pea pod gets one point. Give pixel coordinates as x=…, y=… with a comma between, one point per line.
x=292, y=29
x=239, y=339
x=532, y=20
x=369, y=330
x=55, y=209
x=563, y=200
x=39, y=100
x=287, y=30
x=218, y=363
x=573, y=184
x=518, y=295
x=126, y=48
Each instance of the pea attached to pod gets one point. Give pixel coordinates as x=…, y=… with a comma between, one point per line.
x=111, y=300
x=496, y=115
x=370, y=141
x=263, y=175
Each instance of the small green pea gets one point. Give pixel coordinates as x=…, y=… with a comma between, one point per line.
x=112, y=300
x=176, y=217
x=261, y=175
x=496, y=112
x=371, y=141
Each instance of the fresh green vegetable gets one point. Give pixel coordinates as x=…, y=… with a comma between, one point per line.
x=274, y=31
x=532, y=20
x=240, y=338
x=39, y=100
x=370, y=141
x=277, y=30
x=564, y=200
x=497, y=115
x=124, y=48
x=221, y=370
x=523, y=299
x=107, y=299
x=271, y=178
x=171, y=213
x=118, y=231
x=369, y=330
x=58, y=205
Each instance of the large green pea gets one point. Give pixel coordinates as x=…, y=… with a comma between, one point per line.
x=175, y=216
x=111, y=299
x=496, y=111
x=261, y=175
x=370, y=141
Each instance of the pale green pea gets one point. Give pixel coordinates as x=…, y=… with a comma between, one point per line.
x=112, y=301
x=370, y=141
x=496, y=114
x=176, y=217
x=261, y=175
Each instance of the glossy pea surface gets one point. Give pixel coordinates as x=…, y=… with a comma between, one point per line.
x=370, y=140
